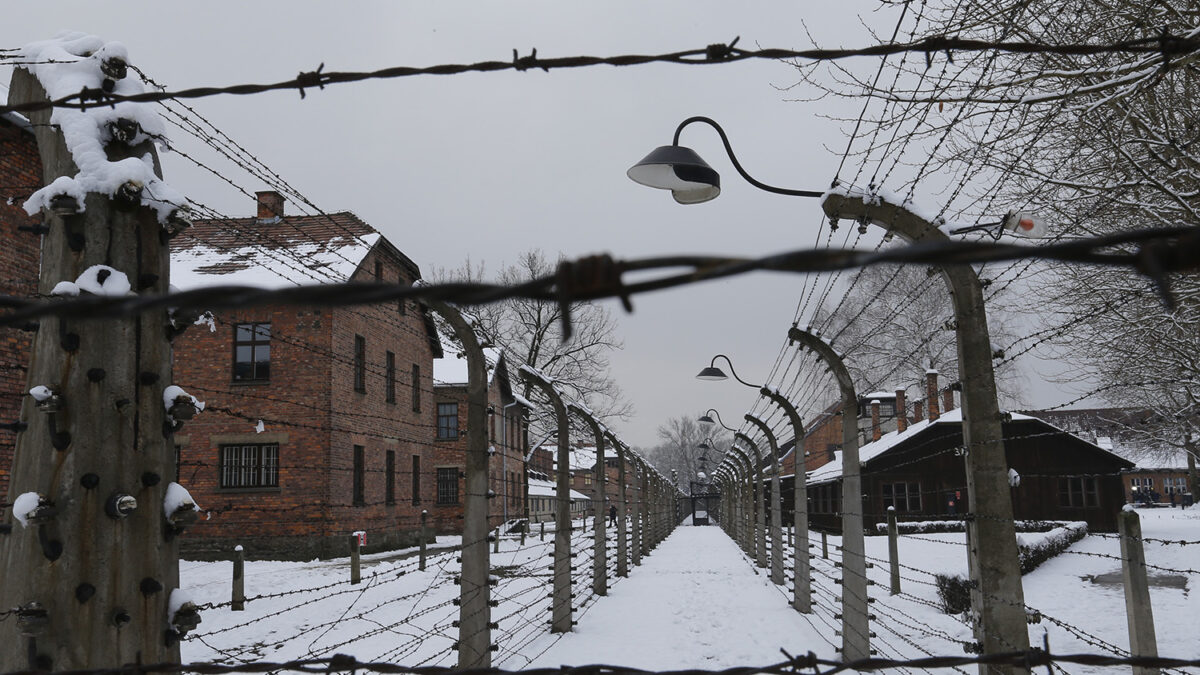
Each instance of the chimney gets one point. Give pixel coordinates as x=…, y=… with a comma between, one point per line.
x=901, y=412
x=918, y=411
x=270, y=205
x=931, y=394
x=948, y=400
x=875, y=434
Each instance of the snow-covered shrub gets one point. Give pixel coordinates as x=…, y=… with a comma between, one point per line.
x=1057, y=541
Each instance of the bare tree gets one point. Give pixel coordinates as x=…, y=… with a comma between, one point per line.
x=529, y=331
x=895, y=322
x=679, y=448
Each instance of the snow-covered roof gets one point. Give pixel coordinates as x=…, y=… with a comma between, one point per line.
x=270, y=253
x=880, y=395
x=545, y=488
x=582, y=457
x=833, y=469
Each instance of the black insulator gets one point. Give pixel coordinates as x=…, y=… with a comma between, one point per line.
x=147, y=280
x=149, y=586
x=84, y=592
x=61, y=440
x=147, y=377
x=95, y=374
x=89, y=481
x=128, y=195
x=70, y=342
x=150, y=479
x=30, y=327
x=124, y=130
x=114, y=68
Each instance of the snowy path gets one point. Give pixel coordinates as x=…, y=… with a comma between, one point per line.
x=695, y=602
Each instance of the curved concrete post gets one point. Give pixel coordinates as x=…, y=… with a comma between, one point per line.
x=856, y=632
x=802, y=573
x=760, y=520
x=746, y=501
x=622, y=500
x=777, y=552
x=600, y=541
x=999, y=600
x=560, y=621
x=474, y=617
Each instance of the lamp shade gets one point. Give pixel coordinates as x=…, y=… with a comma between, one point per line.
x=678, y=169
x=712, y=373
x=705, y=419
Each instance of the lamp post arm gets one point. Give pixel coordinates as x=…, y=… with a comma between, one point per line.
x=719, y=420
x=713, y=363
x=738, y=165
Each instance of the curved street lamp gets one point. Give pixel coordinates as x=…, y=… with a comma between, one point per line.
x=993, y=560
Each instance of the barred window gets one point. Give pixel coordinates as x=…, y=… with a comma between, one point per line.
x=360, y=364
x=250, y=466
x=447, y=485
x=390, y=385
x=389, y=468
x=360, y=497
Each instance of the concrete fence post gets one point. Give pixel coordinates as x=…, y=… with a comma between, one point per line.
x=424, y=537
x=238, y=601
x=355, y=560
x=1138, y=612
x=894, y=549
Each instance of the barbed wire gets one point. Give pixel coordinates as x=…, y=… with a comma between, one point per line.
x=1166, y=45
x=1163, y=250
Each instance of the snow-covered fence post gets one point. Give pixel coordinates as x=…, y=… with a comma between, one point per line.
x=635, y=519
x=998, y=601
x=856, y=631
x=560, y=621
x=1138, y=612
x=355, y=559
x=423, y=543
x=237, y=602
x=746, y=499
x=760, y=520
x=894, y=549
x=474, y=612
x=92, y=585
x=776, y=517
x=622, y=499
x=600, y=541
x=802, y=577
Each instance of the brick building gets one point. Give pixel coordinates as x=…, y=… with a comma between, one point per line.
x=319, y=421
x=20, y=175
x=508, y=433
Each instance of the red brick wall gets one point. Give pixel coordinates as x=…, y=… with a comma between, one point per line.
x=20, y=175
x=310, y=407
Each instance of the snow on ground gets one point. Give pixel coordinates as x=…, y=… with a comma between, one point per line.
x=697, y=601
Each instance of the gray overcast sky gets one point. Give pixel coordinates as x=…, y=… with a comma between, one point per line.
x=488, y=165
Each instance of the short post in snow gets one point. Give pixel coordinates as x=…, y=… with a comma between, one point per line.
x=237, y=603
x=825, y=545
x=542, y=532
x=424, y=536
x=355, y=568
x=1138, y=612
x=894, y=549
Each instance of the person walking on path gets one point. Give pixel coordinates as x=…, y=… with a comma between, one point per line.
x=612, y=514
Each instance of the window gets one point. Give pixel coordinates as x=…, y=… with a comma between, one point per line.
x=416, y=479
x=359, y=475
x=250, y=466
x=252, y=352
x=906, y=497
x=360, y=364
x=378, y=270
x=447, y=420
x=390, y=385
x=447, y=485
x=416, y=388
x=1078, y=493
x=389, y=472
